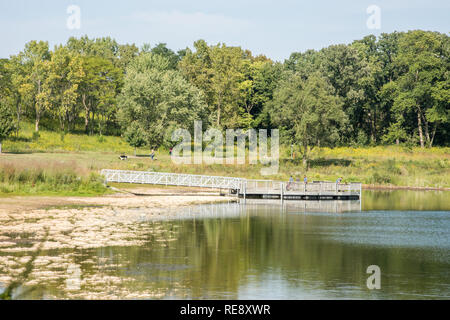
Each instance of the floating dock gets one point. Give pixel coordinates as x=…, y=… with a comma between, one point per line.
x=316, y=190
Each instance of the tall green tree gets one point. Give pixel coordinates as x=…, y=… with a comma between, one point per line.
x=218, y=71
x=170, y=55
x=35, y=59
x=64, y=76
x=97, y=89
x=261, y=77
x=423, y=83
x=158, y=99
x=135, y=136
x=6, y=122
x=17, y=84
x=308, y=111
x=349, y=74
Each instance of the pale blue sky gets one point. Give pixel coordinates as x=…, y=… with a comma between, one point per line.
x=273, y=28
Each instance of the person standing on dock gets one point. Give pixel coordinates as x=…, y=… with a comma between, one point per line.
x=338, y=182
x=291, y=181
x=305, y=180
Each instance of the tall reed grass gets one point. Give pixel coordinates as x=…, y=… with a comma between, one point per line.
x=48, y=178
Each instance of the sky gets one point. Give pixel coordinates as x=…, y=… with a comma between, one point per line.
x=273, y=28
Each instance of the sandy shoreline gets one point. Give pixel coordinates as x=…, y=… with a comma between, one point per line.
x=130, y=198
x=89, y=222
x=39, y=225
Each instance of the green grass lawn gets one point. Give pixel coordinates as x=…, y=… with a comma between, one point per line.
x=52, y=166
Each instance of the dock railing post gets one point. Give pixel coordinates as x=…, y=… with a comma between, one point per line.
x=245, y=191
x=360, y=191
x=281, y=191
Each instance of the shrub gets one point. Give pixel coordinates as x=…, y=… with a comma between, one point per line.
x=377, y=178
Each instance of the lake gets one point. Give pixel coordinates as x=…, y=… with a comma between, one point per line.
x=298, y=250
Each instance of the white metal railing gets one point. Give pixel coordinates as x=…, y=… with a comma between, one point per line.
x=263, y=185
x=171, y=179
x=217, y=182
x=323, y=187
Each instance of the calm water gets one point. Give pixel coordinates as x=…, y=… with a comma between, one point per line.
x=267, y=251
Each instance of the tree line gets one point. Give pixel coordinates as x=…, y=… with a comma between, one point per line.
x=385, y=90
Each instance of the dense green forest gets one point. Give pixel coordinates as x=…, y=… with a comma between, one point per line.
x=394, y=89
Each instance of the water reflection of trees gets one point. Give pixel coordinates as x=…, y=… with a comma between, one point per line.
x=216, y=256
x=199, y=257
x=406, y=200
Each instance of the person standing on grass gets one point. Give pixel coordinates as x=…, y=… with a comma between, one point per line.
x=170, y=151
x=152, y=155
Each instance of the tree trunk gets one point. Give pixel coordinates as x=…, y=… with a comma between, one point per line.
x=373, y=129
x=0, y=147
x=61, y=122
x=36, y=127
x=86, y=122
x=91, y=131
x=86, y=115
x=427, y=134
x=305, y=156
x=38, y=108
x=18, y=112
x=434, y=134
x=218, y=115
x=419, y=124
x=135, y=151
x=375, y=133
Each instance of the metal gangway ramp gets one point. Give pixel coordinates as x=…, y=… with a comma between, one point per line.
x=172, y=179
